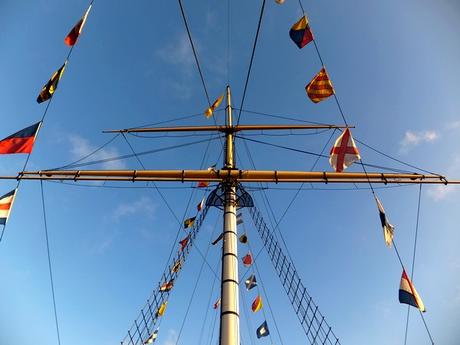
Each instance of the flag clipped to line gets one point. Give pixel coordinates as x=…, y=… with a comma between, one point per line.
x=344, y=152
x=183, y=243
x=247, y=260
x=320, y=87
x=262, y=331
x=202, y=184
x=300, y=32
x=20, y=142
x=221, y=236
x=189, y=222
x=177, y=266
x=161, y=309
x=217, y=304
x=200, y=206
x=251, y=282
x=388, y=229
x=208, y=112
x=50, y=87
x=408, y=294
x=166, y=287
x=239, y=219
x=6, y=204
x=72, y=37
x=257, y=304
x=152, y=338
x=243, y=239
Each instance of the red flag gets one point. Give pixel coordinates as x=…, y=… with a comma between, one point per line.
x=216, y=305
x=257, y=304
x=203, y=184
x=183, y=243
x=247, y=260
x=20, y=142
x=72, y=37
x=344, y=152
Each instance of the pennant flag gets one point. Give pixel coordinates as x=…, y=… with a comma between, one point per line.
x=221, y=236
x=239, y=219
x=189, y=222
x=72, y=37
x=388, y=229
x=6, y=204
x=320, y=87
x=177, y=266
x=408, y=294
x=166, y=287
x=244, y=239
x=257, y=304
x=251, y=282
x=162, y=309
x=208, y=112
x=344, y=152
x=200, y=206
x=262, y=331
x=183, y=243
x=300, y=32
x=203, y=184
x=152, y=337
x=216, y=305
x=247, y=260
x=50, y=87
x=20, y=142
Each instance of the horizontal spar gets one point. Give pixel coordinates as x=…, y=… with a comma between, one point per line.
x=223, y=129
x=235, y=175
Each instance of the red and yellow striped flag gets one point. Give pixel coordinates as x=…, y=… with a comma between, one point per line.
x=208, y=112
x=320, y=87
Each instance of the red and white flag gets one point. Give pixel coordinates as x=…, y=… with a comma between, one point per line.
x=344, y=152
x=6, y=203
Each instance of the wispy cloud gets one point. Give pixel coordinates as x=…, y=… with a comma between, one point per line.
x=81, y=147
x=171, y=339
x=441, y=192
x=144, y=206
x=413, y=139
x=179, y=52
x=454, y=125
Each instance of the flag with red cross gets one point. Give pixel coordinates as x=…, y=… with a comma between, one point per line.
x=344, y=152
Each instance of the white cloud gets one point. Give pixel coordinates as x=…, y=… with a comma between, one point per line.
x=178, y=52
x=144, y=205
x=171, y=339
x=454, y=125
x=412, y=139
x=81, y=147
x=441, y=192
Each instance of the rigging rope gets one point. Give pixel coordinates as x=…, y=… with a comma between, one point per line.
x=311, y=319
x=197, y=281
x=42, y=120
x=49, y=263
x=256, y=270
x=117, y=158
x=252, y=58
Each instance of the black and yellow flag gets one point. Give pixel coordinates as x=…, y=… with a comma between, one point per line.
x=50, y=87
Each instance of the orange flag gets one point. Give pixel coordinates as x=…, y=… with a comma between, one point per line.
x=208, y=112
x=320, y=87
x=72, y=36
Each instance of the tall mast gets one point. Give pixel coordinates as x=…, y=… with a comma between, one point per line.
x=229, y=313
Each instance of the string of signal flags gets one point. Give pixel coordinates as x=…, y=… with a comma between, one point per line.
x=23, y=140
x=343, y=153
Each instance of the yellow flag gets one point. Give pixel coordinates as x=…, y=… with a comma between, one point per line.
x=208, y=113
x=162, y=309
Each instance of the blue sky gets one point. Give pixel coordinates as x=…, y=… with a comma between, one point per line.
x=395, y=68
